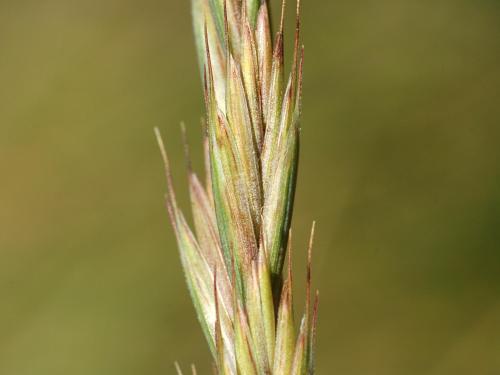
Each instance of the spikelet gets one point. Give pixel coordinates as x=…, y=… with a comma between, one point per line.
x=234, y=260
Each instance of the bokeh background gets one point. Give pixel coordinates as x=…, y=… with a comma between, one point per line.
x=399, y=166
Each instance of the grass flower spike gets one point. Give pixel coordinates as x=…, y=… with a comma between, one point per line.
x=234, y=259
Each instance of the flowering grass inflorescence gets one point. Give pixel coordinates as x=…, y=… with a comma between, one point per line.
x=234, y=260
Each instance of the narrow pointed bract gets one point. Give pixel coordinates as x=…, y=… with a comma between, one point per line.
x=233, y=260
x=285, y=335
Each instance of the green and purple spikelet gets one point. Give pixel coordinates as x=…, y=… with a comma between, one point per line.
x=234, y=260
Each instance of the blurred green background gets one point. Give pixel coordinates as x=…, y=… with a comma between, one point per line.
x=399, y=165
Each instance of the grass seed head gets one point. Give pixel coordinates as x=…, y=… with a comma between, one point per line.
x=233, y=261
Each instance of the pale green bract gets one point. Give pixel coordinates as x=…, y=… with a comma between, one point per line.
x=234, y=260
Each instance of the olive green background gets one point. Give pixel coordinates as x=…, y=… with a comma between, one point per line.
x=399, y=166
